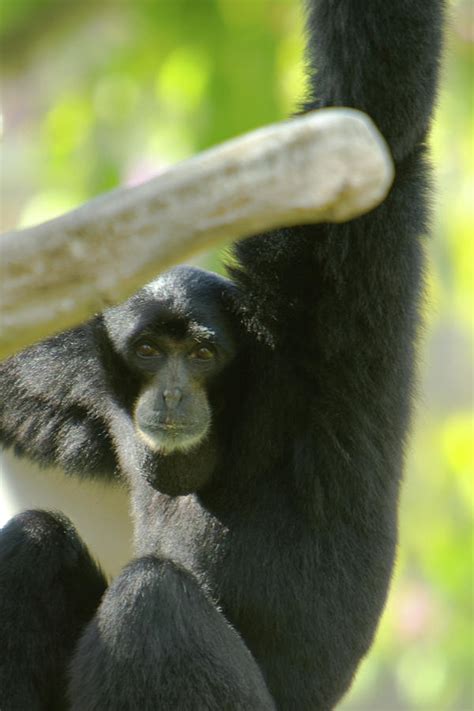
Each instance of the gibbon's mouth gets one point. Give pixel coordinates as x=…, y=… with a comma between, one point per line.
x=158, y=426
x=171, y=436
x=160, y=430
x=170, y=426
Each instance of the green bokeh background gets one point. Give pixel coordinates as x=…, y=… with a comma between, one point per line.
x=98, y=94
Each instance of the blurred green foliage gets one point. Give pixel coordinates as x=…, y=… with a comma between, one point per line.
x=101, y=93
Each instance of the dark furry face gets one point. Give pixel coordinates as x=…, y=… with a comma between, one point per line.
x=177, y=335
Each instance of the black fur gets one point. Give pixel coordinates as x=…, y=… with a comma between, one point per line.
x=49, y=589
x=291, y=539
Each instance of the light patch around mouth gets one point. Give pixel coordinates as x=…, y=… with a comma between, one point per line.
x=168, y=440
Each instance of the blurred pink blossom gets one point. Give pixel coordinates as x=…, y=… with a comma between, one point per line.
x=417, y=611
x=141, y=170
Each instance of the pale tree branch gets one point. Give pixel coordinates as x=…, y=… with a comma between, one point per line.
x=330, y=165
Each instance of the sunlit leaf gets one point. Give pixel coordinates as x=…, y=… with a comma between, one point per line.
x=182, y=78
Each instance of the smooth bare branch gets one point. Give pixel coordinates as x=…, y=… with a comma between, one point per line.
x=331, y=165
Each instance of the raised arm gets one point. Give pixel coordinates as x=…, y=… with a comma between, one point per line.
x=381, y=57
x=340, y=302
x=344, y=297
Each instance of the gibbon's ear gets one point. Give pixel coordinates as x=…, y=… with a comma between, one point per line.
x=53, y=397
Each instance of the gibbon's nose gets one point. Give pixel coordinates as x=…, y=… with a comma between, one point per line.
x=172, y=397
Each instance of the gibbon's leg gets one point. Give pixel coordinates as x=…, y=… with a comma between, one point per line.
x=49, y=589
x=157, y=641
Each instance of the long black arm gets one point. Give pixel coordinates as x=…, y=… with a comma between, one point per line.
x=379, y=57
x=343, y=299
x=382, y=58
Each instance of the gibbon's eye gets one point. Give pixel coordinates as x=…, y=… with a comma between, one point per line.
x=202, y=353
x=144, y=349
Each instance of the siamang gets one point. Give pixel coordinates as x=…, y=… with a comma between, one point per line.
x=259, y=423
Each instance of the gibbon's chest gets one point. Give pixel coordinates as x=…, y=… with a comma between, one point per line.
x=249, y=562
